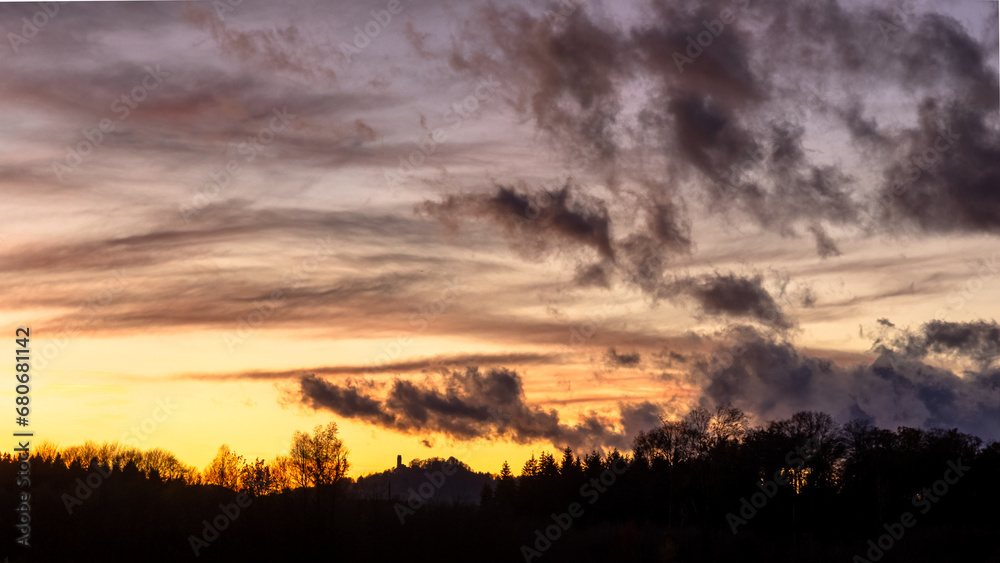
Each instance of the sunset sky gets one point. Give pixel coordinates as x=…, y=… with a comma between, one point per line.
x=487, y=229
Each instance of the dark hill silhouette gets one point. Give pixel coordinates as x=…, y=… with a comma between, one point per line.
x=461, y=485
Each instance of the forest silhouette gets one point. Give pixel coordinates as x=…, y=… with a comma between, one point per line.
x=708, y=487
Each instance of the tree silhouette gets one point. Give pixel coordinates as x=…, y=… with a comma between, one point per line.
x=224, y=469
x=318, y=459
x=255, y=479
x=506, y=489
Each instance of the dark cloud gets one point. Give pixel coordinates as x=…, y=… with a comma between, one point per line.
x=664, y=234
x=773, y=379
x=825, y=246
x=723, y=71
x=563, y=76
x=976, y=340
x=706, y=133
x=669, y=226
x=346, y=400
x=731, y=117
x=470, y=405
x=730, y=295
x=594, y=275
x=640, y=416
x=629, y=359
x=942, y=177
x=667, y=358
x=540, y=220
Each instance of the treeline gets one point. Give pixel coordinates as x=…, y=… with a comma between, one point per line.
x=154, y=463
x=708, y=487
x=313, y=460
x=804, y=486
